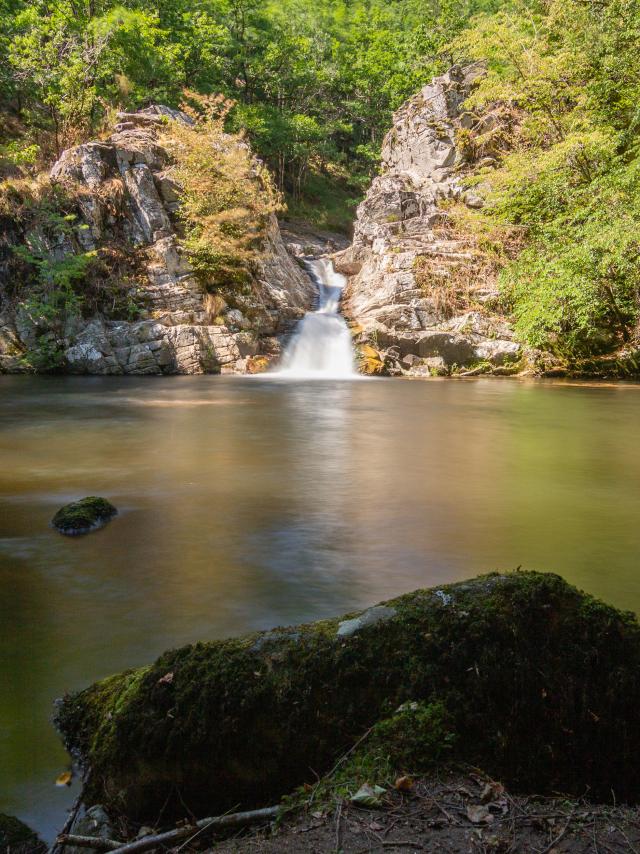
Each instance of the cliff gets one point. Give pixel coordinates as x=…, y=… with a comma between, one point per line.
x=94, y=277
x=420, y=289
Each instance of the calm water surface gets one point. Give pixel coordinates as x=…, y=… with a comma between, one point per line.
x=246, y=503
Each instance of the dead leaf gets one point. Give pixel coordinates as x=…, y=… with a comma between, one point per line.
x=491, y=792
x=479, y=814
x=463, y=790
x=64, y=779
x=404, y=784
x=368, y=796
x=167, y=679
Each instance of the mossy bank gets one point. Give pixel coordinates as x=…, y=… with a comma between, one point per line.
x=538, y=683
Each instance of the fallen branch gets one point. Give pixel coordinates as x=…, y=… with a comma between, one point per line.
x=237, y=819
x=560, y=836
x=88, y=842
x=73, y=813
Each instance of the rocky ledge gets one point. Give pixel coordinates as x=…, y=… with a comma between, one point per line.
x=126, y=195
x=520, y=674
x=418, y=292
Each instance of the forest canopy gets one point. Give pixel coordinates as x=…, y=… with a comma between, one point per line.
x=314, y=83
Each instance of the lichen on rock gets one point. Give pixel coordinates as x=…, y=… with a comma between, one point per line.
x=80, y=517
x=539, y=684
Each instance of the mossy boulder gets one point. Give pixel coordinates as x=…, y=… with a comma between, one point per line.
x=17, y=838
x=538, y=683
x=83, y=516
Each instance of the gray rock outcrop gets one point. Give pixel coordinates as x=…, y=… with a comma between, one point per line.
x=126, y=195
x=417, y=288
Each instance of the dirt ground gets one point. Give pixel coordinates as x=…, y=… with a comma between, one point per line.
x=454, y=814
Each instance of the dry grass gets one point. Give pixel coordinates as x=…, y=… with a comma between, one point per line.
x=227, y=195
x=452, y=284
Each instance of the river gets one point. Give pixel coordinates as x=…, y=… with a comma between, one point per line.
x=248, y=502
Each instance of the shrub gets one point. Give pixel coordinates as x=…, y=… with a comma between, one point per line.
x=227, y=195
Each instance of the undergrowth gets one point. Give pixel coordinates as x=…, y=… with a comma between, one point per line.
x=409, y=742
x=52, y=280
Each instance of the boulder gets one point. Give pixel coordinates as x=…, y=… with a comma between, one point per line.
x=94, y=822
x=80, y=517
x=539, y=684
x=17, y=838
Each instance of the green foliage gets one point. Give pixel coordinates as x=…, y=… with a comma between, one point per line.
x=49, y=273
x=227, y=196
x=564, y=82
x=314, y=84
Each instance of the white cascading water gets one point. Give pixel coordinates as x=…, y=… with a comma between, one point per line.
x=321, y=346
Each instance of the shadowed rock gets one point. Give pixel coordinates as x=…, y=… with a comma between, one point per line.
x=17, y=838
x=539, y=683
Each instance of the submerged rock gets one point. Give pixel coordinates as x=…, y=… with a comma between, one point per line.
x=83, y=516
x=17, y=838
x=539, y=683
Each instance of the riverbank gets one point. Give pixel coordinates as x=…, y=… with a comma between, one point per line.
x=349, y=733
x=459, y=811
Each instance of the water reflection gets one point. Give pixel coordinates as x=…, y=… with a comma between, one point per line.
x=246, y=504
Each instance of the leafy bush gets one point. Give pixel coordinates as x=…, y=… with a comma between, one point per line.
x=568, y=74
x=227, y=195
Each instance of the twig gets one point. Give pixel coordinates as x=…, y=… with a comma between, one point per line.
x=73, y=812
x=237, y=819
x=560, y=836
x=452, y=819
x=339, y=763
x=199, y=831
x=417, y=846
x=88, y=842
x=339, y=829
x=627, y=840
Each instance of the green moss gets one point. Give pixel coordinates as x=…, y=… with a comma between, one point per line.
x=540, y=684
x=17, y=838
x=408, y=742
x=83, y=516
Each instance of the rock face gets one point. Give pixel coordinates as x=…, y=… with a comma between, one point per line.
x=126, y=195
x=416, y=288
x=538, y=683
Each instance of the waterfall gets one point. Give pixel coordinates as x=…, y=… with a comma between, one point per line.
x=321, y=345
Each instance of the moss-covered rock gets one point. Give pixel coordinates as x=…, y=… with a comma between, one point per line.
x=17, y=838
x=83, y=516
x=539, y=684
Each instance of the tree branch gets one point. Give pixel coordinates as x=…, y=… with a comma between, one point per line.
x=237, y=819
